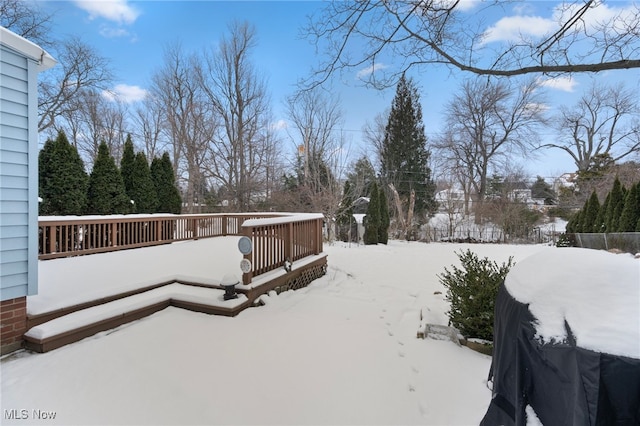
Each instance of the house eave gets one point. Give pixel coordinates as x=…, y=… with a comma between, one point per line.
x=29, y=49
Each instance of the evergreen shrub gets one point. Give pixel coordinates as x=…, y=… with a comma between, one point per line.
x=472, y=292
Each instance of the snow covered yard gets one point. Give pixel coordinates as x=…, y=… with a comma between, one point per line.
x=341, y=351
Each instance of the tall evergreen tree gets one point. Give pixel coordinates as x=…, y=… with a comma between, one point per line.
x=62, y=181
x=404, y=155
x=164, y=180
x=590, y=213
x=127, y=166
x=143, y=191
x=361, y=176
x=372, y=219
x=631, y=211
x=383, y=230
x=541, y=189
x=106, y=193
x=614, y=209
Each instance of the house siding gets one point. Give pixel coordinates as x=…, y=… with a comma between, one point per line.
x=18, y=175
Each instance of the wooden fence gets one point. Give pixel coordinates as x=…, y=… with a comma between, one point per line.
x=275, y=237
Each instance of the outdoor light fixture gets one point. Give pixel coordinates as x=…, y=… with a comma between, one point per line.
x=229, y=283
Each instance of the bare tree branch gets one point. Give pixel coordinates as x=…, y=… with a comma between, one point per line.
x=415, y=33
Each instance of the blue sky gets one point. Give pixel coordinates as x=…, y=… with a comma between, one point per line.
x=133, y=34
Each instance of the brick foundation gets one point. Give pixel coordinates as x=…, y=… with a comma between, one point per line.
x=13, y=324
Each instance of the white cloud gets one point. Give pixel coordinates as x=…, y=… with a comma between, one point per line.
x=125, y=93
x=565, y=84
x=113, y=10
x=600, y=13
x=279, y=125
x=512, y=28
x=111, y=32
x=363, y=73
x=466, y=5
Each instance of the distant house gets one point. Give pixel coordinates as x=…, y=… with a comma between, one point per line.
x=20, y=63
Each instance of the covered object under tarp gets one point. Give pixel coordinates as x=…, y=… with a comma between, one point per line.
x=559, y=380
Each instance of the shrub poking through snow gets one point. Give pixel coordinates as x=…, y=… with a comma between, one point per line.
x=472, y=293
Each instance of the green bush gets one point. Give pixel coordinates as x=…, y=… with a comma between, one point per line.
x=472, y=292
x=566, y=240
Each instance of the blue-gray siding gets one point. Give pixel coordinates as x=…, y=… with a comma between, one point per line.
x=18, y=175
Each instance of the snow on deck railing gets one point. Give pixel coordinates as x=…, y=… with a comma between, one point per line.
x=276, y=237
x=277, y=240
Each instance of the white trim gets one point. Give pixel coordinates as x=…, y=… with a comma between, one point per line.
x=27, y=48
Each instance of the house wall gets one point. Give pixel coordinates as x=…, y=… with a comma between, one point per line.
x=20, y=62
x=18, y=162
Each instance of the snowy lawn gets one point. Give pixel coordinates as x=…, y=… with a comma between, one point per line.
x=341, y=351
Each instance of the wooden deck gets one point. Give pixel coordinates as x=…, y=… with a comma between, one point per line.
x=274, y=240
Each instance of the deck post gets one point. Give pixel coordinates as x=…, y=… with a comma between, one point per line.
x=248, y=276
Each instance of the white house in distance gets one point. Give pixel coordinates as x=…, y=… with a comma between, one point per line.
x=20, y=63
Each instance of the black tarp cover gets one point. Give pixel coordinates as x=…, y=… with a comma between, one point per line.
x=564, y=384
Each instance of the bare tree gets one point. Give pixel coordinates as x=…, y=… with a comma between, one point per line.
x=316, y=118
x=81, y=67
x=603, y=124
x=187, y=118
x=148, y=119
x=364, y=34
x=91, y=119
x=27, y=20
x=243, y=144
x=489, y=121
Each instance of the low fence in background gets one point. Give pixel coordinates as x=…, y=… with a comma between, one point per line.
x=460, y=234
x=276, y=237
x=624, y=241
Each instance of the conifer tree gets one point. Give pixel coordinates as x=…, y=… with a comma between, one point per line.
x=404, y=155
x=106, y=194
x=372, y=219
x=575, y=224
x=631, y=210
x=62, y=181
x=127, y=165
x=600, y=224
x=169, y=200
x=614, y=209
x=143, y=191
x=383, y=230
x=344, y=217
x=590, y=215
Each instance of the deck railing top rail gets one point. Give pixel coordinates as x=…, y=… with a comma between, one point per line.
x=276, y=236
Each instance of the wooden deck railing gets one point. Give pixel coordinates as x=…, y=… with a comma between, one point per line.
x=276, y=240
x=276, y=237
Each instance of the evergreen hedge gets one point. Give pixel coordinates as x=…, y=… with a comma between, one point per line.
x=106, y=193
x=383, y=230
x=372, y=219
x=169, y=200
x=62, y=181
